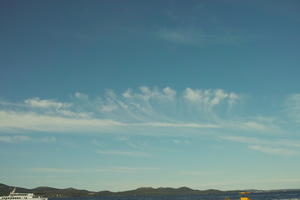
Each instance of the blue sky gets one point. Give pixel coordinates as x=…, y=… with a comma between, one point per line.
x=114, y=95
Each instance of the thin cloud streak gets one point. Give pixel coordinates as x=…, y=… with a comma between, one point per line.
x=271, y=146
x=131, y=112
x=259, y=141
x=14, y=139
x=273, y=150
x=38, y=122
x=45, y=103
x=292, y=107
x=178, y=125
x=196, y=37
x=111, y=169
x=124, y=153
x=25, y=138
x=198, y=173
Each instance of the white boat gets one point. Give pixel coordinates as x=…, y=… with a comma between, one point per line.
x=22, y=196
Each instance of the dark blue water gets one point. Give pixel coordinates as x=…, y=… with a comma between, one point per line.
x=289, y=195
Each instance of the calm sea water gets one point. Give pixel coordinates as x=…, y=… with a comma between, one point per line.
x=290, y=195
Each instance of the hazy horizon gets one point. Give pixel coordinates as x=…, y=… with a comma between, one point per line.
x=150, y=187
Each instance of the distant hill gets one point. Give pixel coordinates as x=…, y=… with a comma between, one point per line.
x=71, y=192
x=147, y=191
x=47, y=191
x=167, y=191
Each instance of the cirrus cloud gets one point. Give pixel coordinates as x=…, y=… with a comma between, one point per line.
x=147, y=110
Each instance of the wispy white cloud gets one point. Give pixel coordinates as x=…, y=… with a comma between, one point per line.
x=25, y=138
x=81, y=96
x=269, y=146
x=133, y=143
x=10, y=120
x=48, y=139
x=250, y=125
x=124, y=153
x=197, y=173
x=181, y=37
x=130, y=111
x=241, y=139
x=260, y=141
x=68, y=113
x=45, y=103
x=273, y=150
x=55, y=170
x=112, y=169
x=178, y=125
x=14, y=139
x=209, y=98
x=108, y=107
x=52, y=107
x=196, y=37
x=292, y=107
x=127, y=169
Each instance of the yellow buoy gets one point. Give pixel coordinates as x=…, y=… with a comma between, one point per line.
x=244, y=197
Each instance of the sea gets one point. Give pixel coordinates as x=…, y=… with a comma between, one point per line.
x=278, y=195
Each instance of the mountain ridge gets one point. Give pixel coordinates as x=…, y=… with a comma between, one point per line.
x=73, y=192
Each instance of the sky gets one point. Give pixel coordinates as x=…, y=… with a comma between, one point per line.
x=116, y=95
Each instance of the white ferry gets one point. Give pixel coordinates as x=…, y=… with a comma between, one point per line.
x=21, y=196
